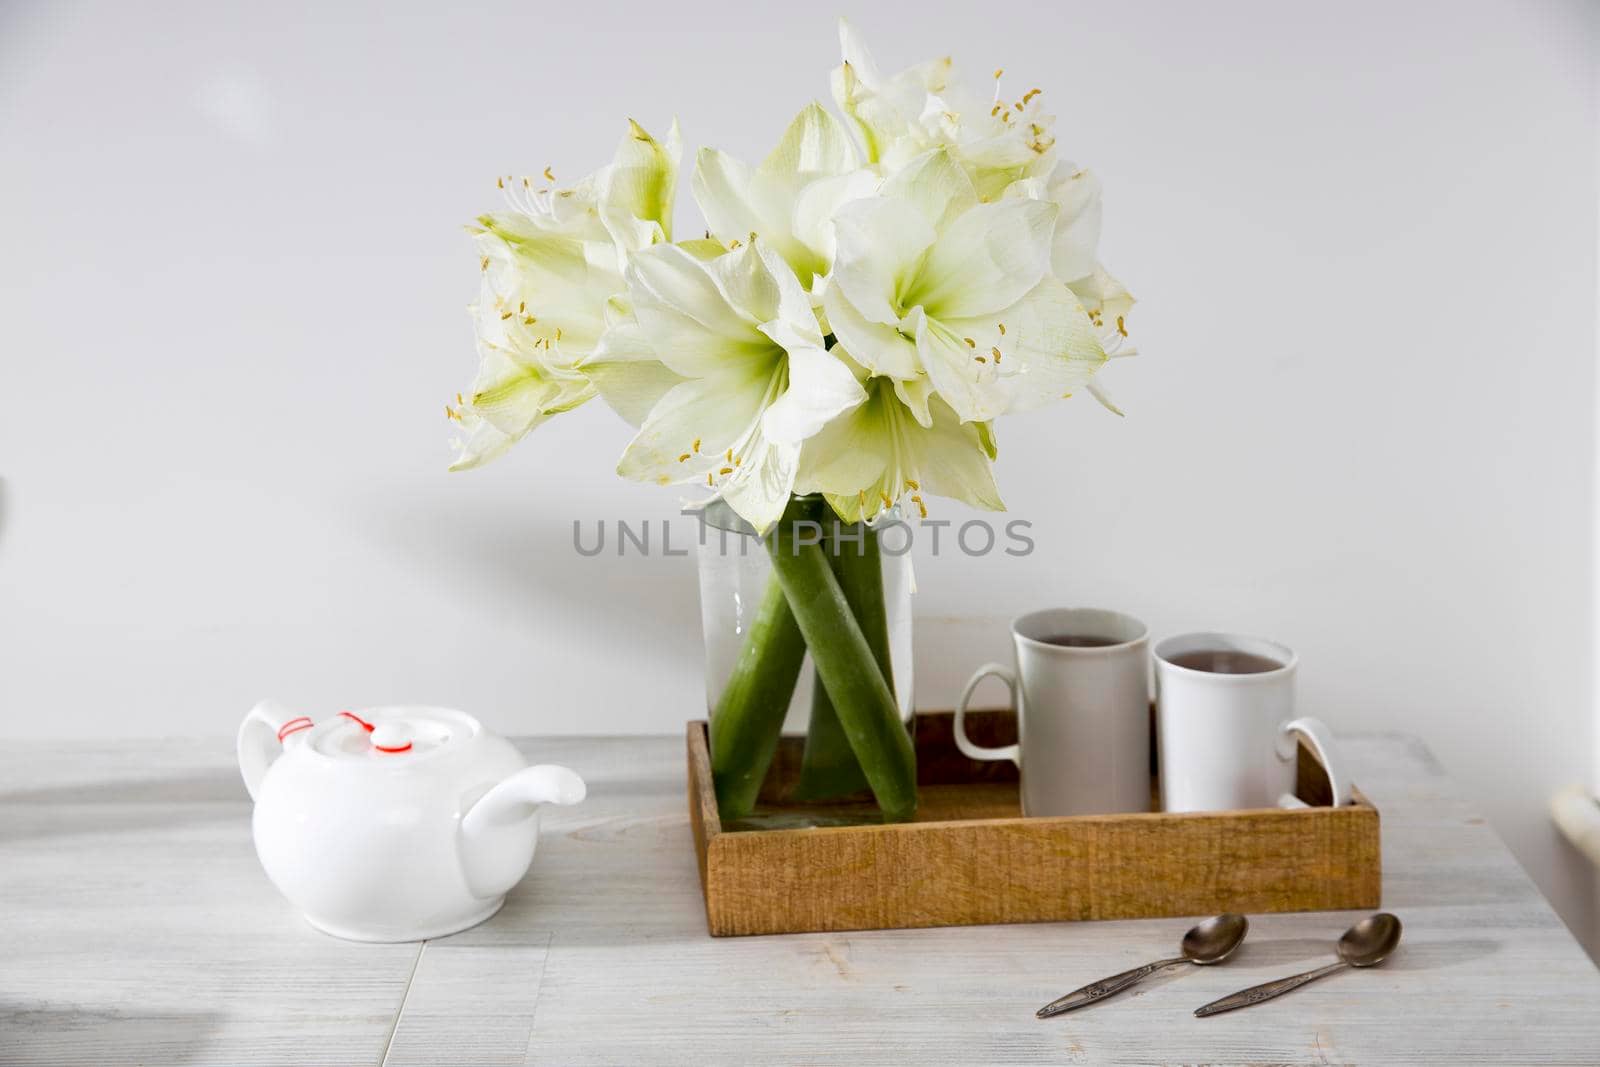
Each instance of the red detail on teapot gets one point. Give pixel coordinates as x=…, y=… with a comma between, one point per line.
x=295, y=725
x=363, y=723
x=399, y=748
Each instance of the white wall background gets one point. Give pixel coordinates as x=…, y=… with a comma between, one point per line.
x=232, y=276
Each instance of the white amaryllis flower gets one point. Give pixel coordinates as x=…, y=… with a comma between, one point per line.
x=867, y=459
x=552, y=273
x=1076, y=193
x=901, y=116
x=941, y=292
x=740, y=330
x=789, y=200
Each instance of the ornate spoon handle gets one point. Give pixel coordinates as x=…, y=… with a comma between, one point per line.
x=1266, y=990
x=1104, y=988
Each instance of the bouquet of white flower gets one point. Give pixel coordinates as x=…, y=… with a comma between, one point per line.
x=859, y=310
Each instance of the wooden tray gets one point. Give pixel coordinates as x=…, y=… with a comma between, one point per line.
x=970, y=857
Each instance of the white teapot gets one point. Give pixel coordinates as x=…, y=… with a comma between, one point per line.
x=395, y=823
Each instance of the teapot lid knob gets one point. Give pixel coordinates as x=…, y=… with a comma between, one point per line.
x=392, y=736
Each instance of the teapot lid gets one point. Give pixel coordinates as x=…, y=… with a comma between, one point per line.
x=398, y=735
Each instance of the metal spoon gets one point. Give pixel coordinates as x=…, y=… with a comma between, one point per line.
x=1211, y=942
x=1366, y=944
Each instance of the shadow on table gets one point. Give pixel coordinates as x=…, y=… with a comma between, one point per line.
x=1307, y=952
x=1437, y=955
x=123, y=805
x=41, y=1035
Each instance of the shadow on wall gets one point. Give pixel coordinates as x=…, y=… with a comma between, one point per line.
x=522, y=564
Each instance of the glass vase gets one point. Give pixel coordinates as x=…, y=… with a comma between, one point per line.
x=762, y=676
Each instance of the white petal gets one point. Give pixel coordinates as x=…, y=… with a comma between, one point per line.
x=814, y=145
x=685, y=314
x=637, y=190
x=877, y=452
x=627, y=374
x=1099, y=291
x=915, y=394
x=1050, y=348
x=480, y=443
x=814, y=210
x=722, y=188
x=1098, y=391
x=761, y=488
x=881, y=348
x=820, y=387
x=691, y=430
x=954, y=461
x=934, y=185
x=973, y=389
x=1077, y=192
x=986, y=259
x=880, y=243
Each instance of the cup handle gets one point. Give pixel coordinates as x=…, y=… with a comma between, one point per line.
x=1316, y=734
x=979, y=752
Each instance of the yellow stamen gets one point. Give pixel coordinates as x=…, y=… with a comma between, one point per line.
x=697, y=444
x=548, y=176
x=996, y=351
x=1123, y=330
x=998, y=71
x=1030, y=94
x=970, y=342
x=505, y=315
x=528, y=320
x=499, y=183
x=726, y=470
x=911, y=483
x=558, y=333
x=459, y=401
x=887, y=502
x=522, y=307
x=1019, y=105
x=730, y=455
x=684, y=458
x=1002, y=329
x=483, y=262
x=980, y=359
x=708, y=479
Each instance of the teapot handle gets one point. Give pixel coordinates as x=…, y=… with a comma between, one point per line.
x=261, y=738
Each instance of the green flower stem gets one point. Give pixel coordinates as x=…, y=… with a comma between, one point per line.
x=862, y=700
x=829, y=767
x=749, y=716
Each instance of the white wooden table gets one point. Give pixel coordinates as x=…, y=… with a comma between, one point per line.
x=137, y=928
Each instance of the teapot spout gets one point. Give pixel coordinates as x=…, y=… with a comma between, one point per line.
x=514, y=799
x=500, y=832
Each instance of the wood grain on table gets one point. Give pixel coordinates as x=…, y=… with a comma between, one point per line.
x=138, y=928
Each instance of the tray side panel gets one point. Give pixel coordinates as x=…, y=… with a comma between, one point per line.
x=704, y=822
x=1035, y=870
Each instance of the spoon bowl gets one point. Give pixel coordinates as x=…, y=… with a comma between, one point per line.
x=1370, y=941
x=1216, y=939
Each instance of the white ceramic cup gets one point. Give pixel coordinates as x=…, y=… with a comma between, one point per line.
x=1083, y=713
x=1228, y=741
